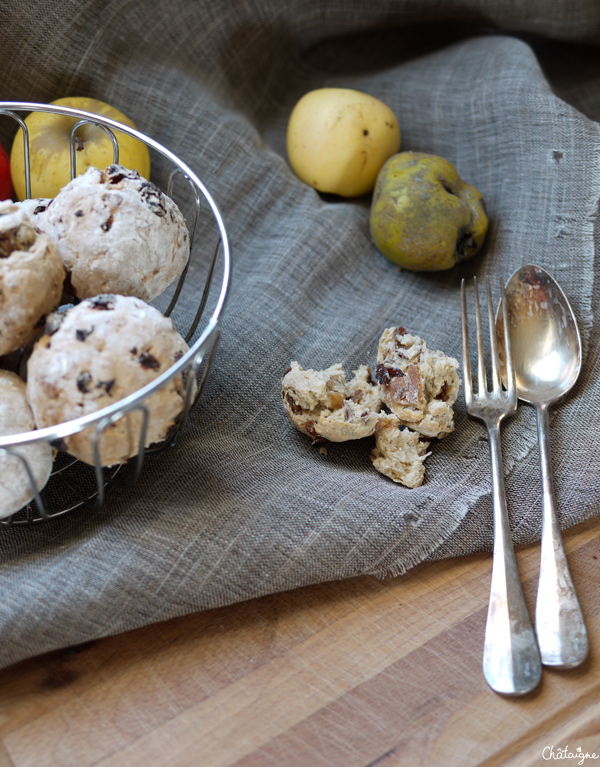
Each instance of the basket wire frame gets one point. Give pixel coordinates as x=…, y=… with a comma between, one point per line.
x=194, y=366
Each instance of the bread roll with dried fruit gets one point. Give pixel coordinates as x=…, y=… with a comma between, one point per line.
x=31, y=278
x=16, y=418
x=117, y=233
x=93, y=355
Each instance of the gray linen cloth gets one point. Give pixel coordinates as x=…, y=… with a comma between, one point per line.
x=244, y=506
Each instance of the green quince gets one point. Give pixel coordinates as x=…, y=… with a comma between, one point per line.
x=423, y=216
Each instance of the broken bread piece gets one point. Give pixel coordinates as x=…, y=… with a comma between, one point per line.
x=321, y=404
x=399, y=452
x=417, y=384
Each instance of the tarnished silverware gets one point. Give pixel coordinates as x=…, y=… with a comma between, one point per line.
x=511, y=659
x=547, y=360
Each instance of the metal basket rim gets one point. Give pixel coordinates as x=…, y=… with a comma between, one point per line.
x=196, y=350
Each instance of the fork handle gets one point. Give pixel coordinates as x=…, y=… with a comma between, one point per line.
x=511, y=659
x=559, y=622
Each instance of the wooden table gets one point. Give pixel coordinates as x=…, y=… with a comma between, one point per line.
x=351, y=674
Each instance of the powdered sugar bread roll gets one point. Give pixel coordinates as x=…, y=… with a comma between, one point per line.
x=117, y=233
x=16, y=418
x=31, y=278
x=98, y=352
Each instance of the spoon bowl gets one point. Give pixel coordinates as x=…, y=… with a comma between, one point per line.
x=547, y=360
x=546, y=339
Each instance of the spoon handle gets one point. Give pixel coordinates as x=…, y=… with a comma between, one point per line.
x=559, y=623
x=511, y=659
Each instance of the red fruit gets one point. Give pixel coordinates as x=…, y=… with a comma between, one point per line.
x=6, y=187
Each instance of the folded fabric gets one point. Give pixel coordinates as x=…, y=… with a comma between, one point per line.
x=245, y=505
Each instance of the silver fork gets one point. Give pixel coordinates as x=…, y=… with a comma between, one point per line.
x=511, y=658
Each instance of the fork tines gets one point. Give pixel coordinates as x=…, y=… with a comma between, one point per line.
x=507, y=369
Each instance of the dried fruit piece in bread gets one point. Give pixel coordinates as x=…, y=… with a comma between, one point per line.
x=35, y=208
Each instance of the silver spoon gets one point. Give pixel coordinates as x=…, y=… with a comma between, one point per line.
x=547, y=359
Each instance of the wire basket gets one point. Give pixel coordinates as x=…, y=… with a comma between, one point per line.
x=74, y=484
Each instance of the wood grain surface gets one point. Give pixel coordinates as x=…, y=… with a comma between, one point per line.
x=351, y=674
